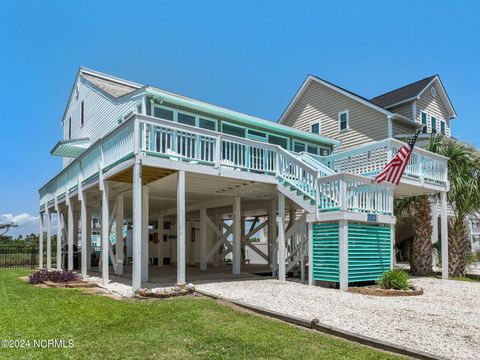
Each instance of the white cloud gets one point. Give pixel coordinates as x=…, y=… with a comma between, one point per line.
x=20, y=219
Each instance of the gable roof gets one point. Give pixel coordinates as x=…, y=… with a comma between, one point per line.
x=411, y=92
x=332, y=86
x=400, y=95
x=108, y=84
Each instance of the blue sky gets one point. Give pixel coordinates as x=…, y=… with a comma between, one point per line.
x=250, y=56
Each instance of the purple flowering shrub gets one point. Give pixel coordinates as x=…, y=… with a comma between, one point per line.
x=56, y=276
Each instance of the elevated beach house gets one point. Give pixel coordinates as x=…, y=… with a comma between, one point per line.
x=176, y=182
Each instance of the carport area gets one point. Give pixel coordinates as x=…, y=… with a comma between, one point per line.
x=442, y=322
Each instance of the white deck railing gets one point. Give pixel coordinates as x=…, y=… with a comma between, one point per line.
x=163, y=138
x=369, y=159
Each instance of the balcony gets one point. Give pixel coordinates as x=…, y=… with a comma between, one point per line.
x=350, y=189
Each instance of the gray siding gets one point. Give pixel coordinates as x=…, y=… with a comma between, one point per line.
x=101, y=113
x=433, y=106
x=404, y=109
x=320, y=103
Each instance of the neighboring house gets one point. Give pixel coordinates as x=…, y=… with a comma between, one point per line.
x=163, y=163
x=329, y=110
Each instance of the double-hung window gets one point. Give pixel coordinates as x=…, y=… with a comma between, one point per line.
x=343, y=119
x=442, y=127
x=433, y=122
x=424, y=122
x=315, y=128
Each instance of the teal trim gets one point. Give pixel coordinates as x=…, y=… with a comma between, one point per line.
x=369, y=251
x=325, y=255
x=247, y=120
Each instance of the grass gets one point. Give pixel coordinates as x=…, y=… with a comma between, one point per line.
x=178, y=328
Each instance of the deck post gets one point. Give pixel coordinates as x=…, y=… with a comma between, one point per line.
x=161, y=232
x=119, y=234
x=105, y=231
x=83, y=229
x=69, y=232
x=281, y=238
x=434, y=205
x=310, y=253
x=137, y=227
x=181, y=227
x=40, y=240
x=272, y=236
x=444, y=234
x=237, y=237
x=49, y=238
x=392, y=246
x=88, y=236
x=343, y=254
x=203, y=239
x=217, y=222
x=59, y=236
x=145, y=232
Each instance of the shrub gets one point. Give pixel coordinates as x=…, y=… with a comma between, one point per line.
x=56, y=276
x=395, y=279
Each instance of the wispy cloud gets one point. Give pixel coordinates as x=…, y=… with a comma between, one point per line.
x=26, y=223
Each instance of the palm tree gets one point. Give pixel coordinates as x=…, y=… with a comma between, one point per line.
x=463, y=196
x=418, y=208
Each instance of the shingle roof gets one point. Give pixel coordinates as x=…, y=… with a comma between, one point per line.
x=110, y=86
x=401, y=94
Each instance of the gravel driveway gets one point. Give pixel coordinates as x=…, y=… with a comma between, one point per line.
x=445, y=321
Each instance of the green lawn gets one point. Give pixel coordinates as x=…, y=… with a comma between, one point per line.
x=180, y=328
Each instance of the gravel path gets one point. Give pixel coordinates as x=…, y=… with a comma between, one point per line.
x=445, y=321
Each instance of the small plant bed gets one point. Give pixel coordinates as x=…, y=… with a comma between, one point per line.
x=164, y=293
x=58, y=278
x=391, y=283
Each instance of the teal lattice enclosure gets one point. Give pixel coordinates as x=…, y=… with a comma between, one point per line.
x=369, y=251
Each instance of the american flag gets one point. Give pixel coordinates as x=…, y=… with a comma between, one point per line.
x=393, y=171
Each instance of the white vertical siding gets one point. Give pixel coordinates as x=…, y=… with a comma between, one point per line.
x=101, y=113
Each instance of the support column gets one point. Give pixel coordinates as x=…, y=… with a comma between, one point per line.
x=392, y=246
x=88, y=236
x=161, y=232
x=203, y=239
x=343, y=239
x=444, y=234
x=69, y=232
x=105, y=231
x=40, y=240
x=237, y=237
x=49, y=239
x=59, y=237
x=272, y=236
x=145, y=232
x=218, y=224
x=434, y=229
x=119, y=235
x=181, y=227
x=281, y=238
x=310, y=254
x=137, y=227
x=83, y=230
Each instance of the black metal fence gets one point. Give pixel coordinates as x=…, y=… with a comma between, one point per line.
x=19, y=257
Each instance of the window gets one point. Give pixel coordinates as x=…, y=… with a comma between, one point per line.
x=298, y=146
x=433, y=121
x=442, y=127
x=82, y=118
x=163, y=113
x=324, y=152
x=424, y=122
x=233, y=130
x=69, y=128
x=315, y=128
x=207, y=124
x=186, y=119
x=277, y=140
x=312, y=149
x=343, y=120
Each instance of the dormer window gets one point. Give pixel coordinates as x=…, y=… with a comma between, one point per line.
x=343, y=119
x=82, y=115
